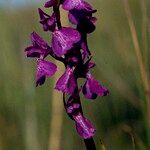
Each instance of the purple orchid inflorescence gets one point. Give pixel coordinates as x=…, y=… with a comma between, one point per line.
x=68, y=45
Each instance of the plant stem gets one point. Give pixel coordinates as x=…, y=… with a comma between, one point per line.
x=89, y=143
x=57, y=13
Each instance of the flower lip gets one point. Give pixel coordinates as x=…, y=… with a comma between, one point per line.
x=84, y=127
x=64, y=39
x=44, y=68
x=92, y=88
x=67, y=82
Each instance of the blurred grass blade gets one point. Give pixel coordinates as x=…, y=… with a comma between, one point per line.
x=143, y=71
x=144, y=31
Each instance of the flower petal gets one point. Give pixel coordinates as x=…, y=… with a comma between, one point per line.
x=33, y=51
x=92, y=88
x=44, y=68
x=76, y=4
x=67, y=82
x=38, y=41
x=63, y=40
x=84, y=127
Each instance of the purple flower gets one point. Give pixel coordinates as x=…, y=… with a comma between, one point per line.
x=44, y=68
x=80, y=13
x=67, y=82
x=92, y=88
x=83, y=126
x=69, y=46
x=48, y=22
x=39, y=48
x=64, y=39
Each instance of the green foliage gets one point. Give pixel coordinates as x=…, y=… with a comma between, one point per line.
x=25, y=111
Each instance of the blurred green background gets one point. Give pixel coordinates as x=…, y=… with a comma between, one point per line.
x=25, y=111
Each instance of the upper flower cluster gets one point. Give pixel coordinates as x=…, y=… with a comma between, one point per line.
x=68, y=45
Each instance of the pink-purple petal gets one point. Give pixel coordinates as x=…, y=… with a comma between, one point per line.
x=67, y=82
x=76, y=4
x=63, y=40
x=38, y=41
x=44, y=68
x=33, y=51
x=84, y=127
x=92, y=88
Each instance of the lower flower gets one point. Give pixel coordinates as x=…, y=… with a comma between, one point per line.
x=83, y=126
